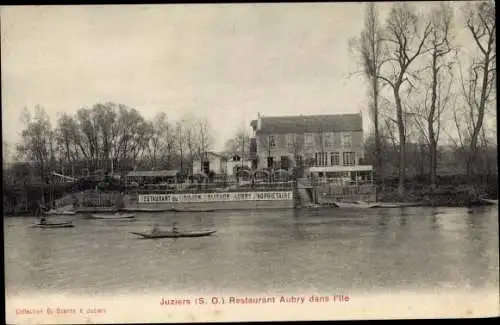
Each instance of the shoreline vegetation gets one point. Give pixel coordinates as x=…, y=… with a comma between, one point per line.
x=450, y=191
x=431, y=105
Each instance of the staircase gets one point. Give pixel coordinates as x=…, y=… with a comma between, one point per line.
x=302, y=192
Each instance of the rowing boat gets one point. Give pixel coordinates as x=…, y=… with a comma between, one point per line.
x=60, y=213
x=66, y=224
x=115, y=216
x=191, y=210
x=170, y=234
x=357, y=205
x=490, y=202
x=397, y=204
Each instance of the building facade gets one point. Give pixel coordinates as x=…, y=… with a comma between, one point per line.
x=211, y=161
x=307, y=140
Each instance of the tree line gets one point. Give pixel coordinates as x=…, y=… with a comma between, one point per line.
x=426, y=87
x=112, y=136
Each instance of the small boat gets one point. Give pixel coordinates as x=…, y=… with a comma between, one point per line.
x=145, y=209
x=490, y=202
x=66, y=224
x=170, y=234
x=191, y=210
x=397, y=204
x=356, y=204
x=115, y=216
x=60, y=212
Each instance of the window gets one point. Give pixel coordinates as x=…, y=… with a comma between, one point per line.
x=349, y=158
x=308, y=139
x=321, y=158
x=328, y=139
x=290, y=139
x=346, y=140
x=334, y=158
x=270, y=162
x=299, y=161
x=272, y=141
x=285, y=162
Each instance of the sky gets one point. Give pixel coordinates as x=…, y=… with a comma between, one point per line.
x=225, y=62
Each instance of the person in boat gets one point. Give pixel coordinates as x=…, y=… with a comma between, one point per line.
x=155, y=230
x=42, y=207
x=43, y=218
x=174, y=227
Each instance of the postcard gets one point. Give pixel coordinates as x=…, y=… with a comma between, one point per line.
x=249, y=162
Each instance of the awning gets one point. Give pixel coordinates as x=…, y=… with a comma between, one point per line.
x=336, y=169
x=153, y=173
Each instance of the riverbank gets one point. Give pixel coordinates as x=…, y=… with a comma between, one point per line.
x=449, y=194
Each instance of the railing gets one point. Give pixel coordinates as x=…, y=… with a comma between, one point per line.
x=365, y=192
x=339, y=181
x=213, y=187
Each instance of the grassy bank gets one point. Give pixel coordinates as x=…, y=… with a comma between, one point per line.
x=454, y=190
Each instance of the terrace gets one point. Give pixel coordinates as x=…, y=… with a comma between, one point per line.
x=167, y=182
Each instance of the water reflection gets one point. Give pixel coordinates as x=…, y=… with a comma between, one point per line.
x=257, y=251
x=434, y=219
x=402, y=220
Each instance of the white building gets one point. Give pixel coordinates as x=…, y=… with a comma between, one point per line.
x=215, y=162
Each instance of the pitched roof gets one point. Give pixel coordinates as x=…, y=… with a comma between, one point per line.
x=311, y=123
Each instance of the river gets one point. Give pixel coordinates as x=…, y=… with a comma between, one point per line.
x=260, y=252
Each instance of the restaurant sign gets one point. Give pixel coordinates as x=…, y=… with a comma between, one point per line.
x=216, y=197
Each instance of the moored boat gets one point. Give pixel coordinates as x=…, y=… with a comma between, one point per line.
x=65, y=224
x=356, y=205
x=490, y=202
x=114, y=216
x=171, y=234
x=397, y=204
x=140, y=209
x=191, y=210
x=60, y=212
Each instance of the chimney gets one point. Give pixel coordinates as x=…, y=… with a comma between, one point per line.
x=259, y=122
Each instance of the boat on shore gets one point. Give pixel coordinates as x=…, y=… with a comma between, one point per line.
x=171, y=234
x=489, y=201
x=56, y=212
x=397, y=204
x=139, y=209
x=191, y=210
x=114, y=216
x=356, y=204
x=99, y=209
x=65, y=224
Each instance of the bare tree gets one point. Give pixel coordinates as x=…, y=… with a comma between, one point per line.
x=238, y=144
x=190, y=138
x=205, y=139
x=179, y=141
x=479, y=86
x=37, y=137
x=406, y=40
x=438, y=91
x=370, y=47
x=159, y=142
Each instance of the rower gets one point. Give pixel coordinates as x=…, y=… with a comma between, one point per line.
x=155, y=230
